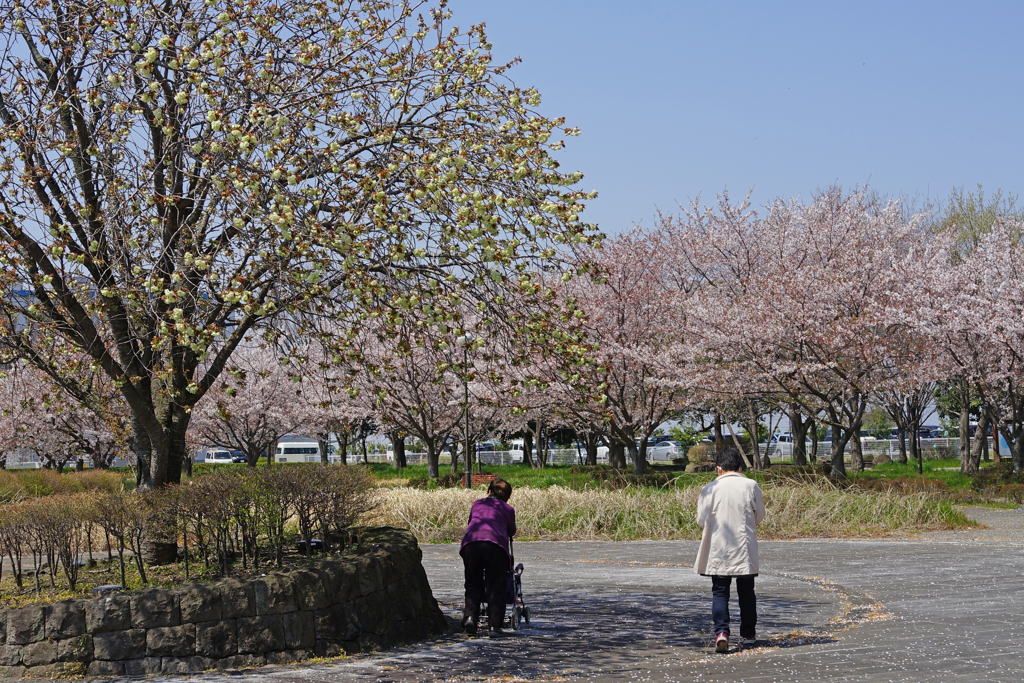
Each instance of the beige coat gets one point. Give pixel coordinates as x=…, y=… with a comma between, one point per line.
x=729, y=509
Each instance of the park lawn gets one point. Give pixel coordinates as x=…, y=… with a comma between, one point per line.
x=528, y=477
x=946, y=471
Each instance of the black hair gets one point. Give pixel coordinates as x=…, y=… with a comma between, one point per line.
x=500, y=489
x=729, y=459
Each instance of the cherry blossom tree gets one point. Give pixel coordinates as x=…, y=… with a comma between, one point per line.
x=11, y=408
x=176, y=174
x=794, y=304
x=410, y=383
x=256, y=402
x=626, y=389
x=38, y=416
x=994, y=309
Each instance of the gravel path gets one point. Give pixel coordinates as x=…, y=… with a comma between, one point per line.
x=934, y=606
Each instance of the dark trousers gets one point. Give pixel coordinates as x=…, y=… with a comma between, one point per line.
x=485, y=559
x=720, y=604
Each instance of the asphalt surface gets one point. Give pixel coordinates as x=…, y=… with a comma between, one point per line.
x=943, y=606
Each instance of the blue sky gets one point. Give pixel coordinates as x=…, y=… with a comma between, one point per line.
x=679, y=99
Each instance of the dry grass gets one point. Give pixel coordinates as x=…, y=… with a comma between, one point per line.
x=17, y=485
x=558, y=513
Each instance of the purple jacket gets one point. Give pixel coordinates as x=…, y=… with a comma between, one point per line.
x=491, y=520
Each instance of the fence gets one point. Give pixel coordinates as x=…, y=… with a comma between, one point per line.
x=931, y=449
x=559, y=456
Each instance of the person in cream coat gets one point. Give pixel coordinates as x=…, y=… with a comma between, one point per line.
x=728, y=511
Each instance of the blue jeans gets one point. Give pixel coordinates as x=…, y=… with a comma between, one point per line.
x=720, y=604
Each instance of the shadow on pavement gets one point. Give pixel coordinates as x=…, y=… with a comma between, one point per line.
x=581, y=633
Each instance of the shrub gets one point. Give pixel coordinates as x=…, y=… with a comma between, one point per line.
x=701, y=452
x=123, y=516
x=994, y=476
x=55, y=528
x=1012, y=492
x=224, y=514
x=444, y=481
x=901, y=485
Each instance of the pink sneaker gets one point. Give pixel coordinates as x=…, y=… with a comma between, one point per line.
x=721, y=643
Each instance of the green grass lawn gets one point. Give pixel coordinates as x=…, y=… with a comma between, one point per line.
x=946, y=471
x=524, y=476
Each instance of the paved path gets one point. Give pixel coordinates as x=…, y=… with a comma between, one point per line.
x=936, y=606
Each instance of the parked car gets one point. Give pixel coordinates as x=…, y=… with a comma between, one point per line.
x=662, y=451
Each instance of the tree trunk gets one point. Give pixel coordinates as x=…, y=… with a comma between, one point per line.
x=839, y=439
x=538, y=438
x=543, y=446
x=856, y=451
x=719, y=439
x=398, y=448
x=343, y=437
x=755, y=448
x=980, y=440
x=456, y=454
x=140, y=444
x=617, y=456
x=271, y=451
x=166, y=462
x=528, y=447
x=591, y=443
x=432, y=468
x=799, y=427
x=639, y=455
x=321, y=443
x=902, y=437
x=812, y=428
x=996, y=457
x=965, y=436
x=1014, y=436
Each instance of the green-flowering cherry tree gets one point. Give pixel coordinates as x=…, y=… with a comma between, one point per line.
x=177, y=175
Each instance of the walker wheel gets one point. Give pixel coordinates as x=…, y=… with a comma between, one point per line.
x=517, y=617
x=526, y=615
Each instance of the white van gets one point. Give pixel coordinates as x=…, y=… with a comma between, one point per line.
x=515, y=450
x=297, y=451
x=217, y=456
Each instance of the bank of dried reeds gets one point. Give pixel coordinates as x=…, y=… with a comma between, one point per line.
x=558, y=513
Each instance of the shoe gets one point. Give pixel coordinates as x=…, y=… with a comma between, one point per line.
x=747, y=642
x=494, y=632
x=470, y=626
x=721, y=643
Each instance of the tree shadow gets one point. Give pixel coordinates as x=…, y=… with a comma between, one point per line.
x=581, y=633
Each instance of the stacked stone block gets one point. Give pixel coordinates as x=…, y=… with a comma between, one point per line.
x=373, y=597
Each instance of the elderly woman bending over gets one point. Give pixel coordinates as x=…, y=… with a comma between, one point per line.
x=486, y=556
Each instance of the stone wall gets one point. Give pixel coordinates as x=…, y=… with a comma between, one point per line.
x=371, y=598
